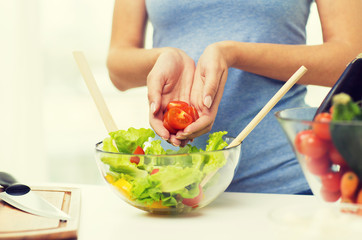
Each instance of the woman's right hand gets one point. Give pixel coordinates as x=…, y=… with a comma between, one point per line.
x=170, y=79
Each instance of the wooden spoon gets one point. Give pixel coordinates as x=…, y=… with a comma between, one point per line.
x=264, y=111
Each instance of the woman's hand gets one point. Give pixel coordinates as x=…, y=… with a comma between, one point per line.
x=207, y=89
x=170, y=79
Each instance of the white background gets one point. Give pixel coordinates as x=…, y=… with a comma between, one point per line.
x=49, y=123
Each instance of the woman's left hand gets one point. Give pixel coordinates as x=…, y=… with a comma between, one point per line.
x=207, y=89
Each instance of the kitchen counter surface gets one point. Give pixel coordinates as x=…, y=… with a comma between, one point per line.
x=231, y=216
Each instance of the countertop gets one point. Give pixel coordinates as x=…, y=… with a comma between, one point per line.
x=231, y=216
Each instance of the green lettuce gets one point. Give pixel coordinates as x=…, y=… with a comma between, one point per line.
x=127, y=141
x=178, y=176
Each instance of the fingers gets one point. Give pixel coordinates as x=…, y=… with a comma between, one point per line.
x=211, y=80
x=154, y=86
x=199, y=127
x=156, y=122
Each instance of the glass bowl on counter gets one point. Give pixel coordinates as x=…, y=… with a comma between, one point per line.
x=329, y=154
x=168, y=184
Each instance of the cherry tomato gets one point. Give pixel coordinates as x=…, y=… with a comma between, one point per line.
x=192, y=112
x=167, y=125
x=299, y=138
x=331, y=181
x=193, y=202
x=155, y=171
x=321, y=125
x=318, y=166
x=336, y=157
x=329, y=196
x=135, y=159
x=177, y=104
x=178, y=118
x=309, y=144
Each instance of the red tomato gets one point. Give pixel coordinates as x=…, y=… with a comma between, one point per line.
x=336, y=157
x=177, y=104
x=193, y=202
x=299, y=138
x=178, y=118
x=167, y=126
x=309, y=144
x=330, y=196
x=332, y=181
x=155, y=171
x=321, y=125
x=318, y=166
x=192, y=112
x=136, y=160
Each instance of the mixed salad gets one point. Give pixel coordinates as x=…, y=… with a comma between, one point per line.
x=148, y=179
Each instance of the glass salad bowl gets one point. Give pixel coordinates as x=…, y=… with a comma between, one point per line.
x=166, y=181
x=329, y=154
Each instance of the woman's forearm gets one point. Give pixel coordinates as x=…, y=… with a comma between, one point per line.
x=325, y=62
x=128, y=67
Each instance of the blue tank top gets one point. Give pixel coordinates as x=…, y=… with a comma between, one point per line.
x=267, y=163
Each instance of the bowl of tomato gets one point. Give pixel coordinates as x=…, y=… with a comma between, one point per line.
x=329, y=152
x=152, y=175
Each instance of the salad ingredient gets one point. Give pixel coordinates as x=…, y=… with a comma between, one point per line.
x=193, y=202
x=192, y=112
x=160, y=182
x=349, y=184
x=154, y=171
x=336, y=157
x=329, y=196
x=136, y=160
x=321, y=125
x=177, y=104
x=124, y=186
x=318, y=166
x=331, y=181
x=167, y=125
x=127, y=141
x=311, y=145
x=178, y=116
x=344, y=109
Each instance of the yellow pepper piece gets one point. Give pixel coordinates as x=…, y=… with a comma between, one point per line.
x=157, y=204
x=109, y=178
x=124, y=186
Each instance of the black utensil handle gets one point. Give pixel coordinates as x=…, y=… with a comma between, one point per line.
x=6, y=179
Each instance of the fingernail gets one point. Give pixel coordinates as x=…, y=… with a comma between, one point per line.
x=153, y=107
x=181, y=137
x=207, y=101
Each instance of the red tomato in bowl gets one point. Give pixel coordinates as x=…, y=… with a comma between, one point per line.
x=309, y=144
x=318, y=166
x=135, y=159
x=321, y=125
x=193, y=202
x=331, y=181
x=336, y=157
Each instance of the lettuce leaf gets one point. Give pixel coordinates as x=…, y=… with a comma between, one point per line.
x=128, y=140
x=215, y=141
x=173, y=178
